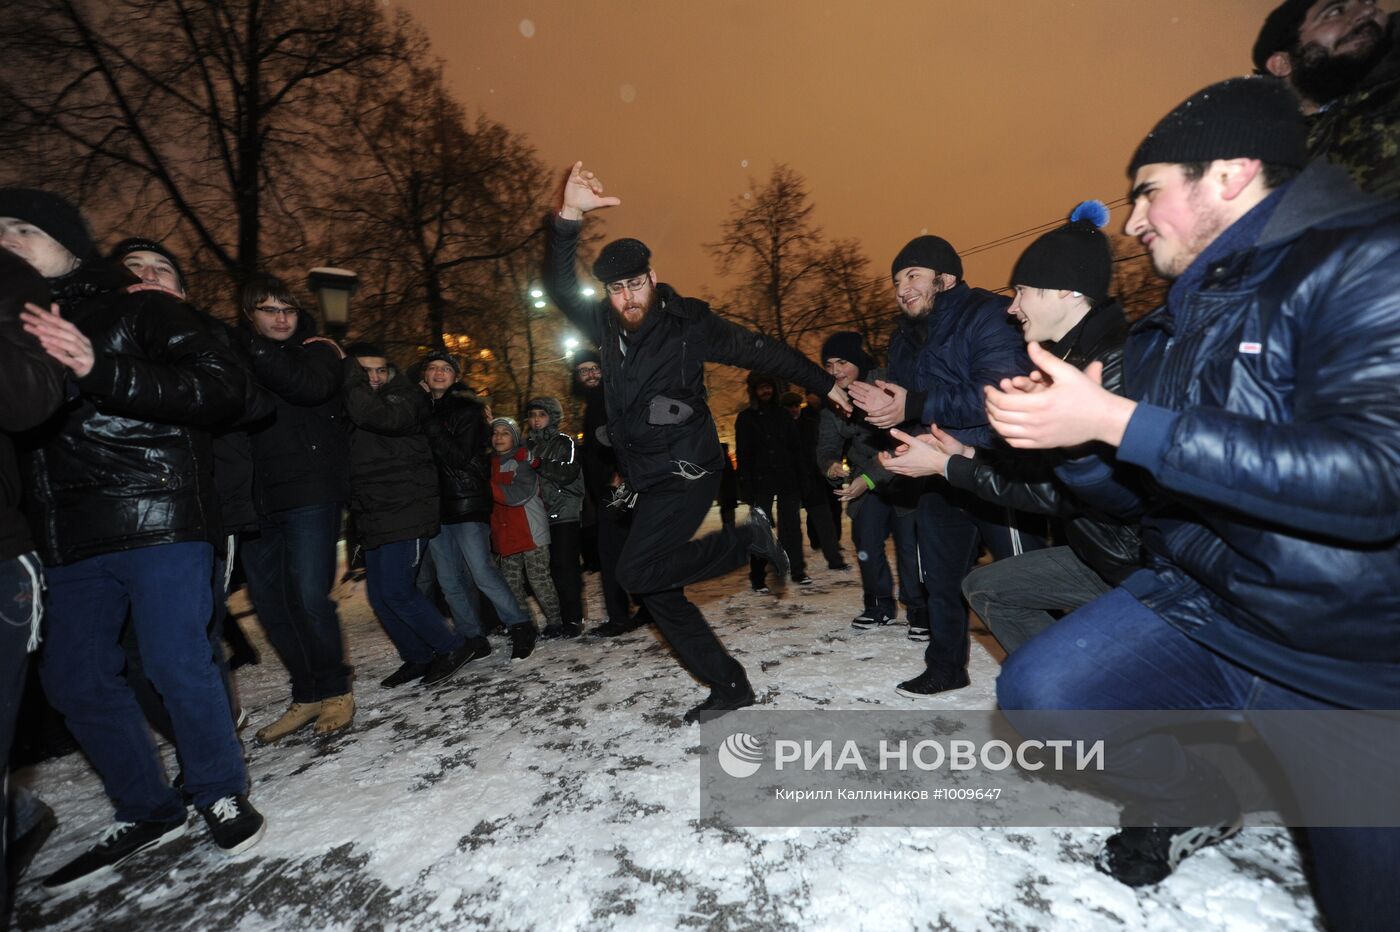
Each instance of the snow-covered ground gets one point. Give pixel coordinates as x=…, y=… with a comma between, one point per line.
x=562, y=792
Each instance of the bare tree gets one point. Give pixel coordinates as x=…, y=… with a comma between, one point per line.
x=207, y=116
x=852, y=297
x=771, y=244
x=1135, y=282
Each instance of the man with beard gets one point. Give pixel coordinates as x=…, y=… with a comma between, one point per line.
x=1342, y=59
x=654, y=345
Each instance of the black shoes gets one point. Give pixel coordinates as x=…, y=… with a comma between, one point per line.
x=570, y=630
x=871, y=618
x=444, y=665
x=122, y=841
x=611, y=629
x=1140, y=857
x=931, y=683
x=738, y=695
x=918, y=630
x=406, y=673
x=802, y=580
x=764, y=544
x=234, y=823
x=522, y=639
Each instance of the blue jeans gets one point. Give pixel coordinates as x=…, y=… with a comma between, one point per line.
x=290, y=565
x=166, y=588
x=873, y=520
x=1115, y=653
x=465, y=570
x=408, y=616
x=952, y=527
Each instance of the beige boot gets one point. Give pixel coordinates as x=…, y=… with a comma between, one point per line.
x=336, y=713
x=298, y=715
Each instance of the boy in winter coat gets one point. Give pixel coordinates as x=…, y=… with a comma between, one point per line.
x=555, y=459
x=519, y=522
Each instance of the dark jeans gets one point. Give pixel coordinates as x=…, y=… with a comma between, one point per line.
x=166, y=588
x=1014, y=597
x=824, y=533
x=660, y=558
x=290, y=565
x=20, y=579
x=873, y=520
x=566, y=570
x=789, y=520
x=408, y=616
x=1115, y=653
x=613, y=528
x=952, y=526
x=461, y=558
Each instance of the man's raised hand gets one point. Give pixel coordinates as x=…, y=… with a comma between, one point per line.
x=583, y=192
x=883, y=402
x=1065, y=409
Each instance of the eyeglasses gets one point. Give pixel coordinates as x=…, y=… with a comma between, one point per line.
x=589, y=369
x=633, y=285
x=273, y=310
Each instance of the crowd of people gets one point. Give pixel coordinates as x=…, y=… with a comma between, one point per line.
x=1198, y=510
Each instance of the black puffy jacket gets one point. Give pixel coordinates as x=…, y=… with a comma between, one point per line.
x=460, y=440
x=300, y=454
x=127, y=464
x=31, y=388
x=658, y=419
x=1269, y=425
x=1112, y=547
x=393, y=479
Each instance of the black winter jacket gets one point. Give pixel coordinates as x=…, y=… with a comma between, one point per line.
x=597, y=458
x=31, y=389
x=555, y=457
x=658, y=419
x=1269, y=425
x=859, y=443
x=128, y=463
x=300, y=454
x=393, y=480
x=767, y=445
x=1112, y=547
x=460, y=440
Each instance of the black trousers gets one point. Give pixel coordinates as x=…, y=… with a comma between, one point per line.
x=660, y=558
x=613, y=528
x=789, y=520
x=566, y=570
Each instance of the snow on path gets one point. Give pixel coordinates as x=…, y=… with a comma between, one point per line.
x=562, y=792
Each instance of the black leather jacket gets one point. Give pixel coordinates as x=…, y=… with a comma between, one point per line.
x=1112, y=547
x=458, y=436
x=127, y=463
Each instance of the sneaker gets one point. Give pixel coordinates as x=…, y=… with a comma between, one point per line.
x=765, y=544
x=1140, y=857
x=803, y=580
x=336, y=714
x=930, y=683
x=234, y=823
x=444, y=665
x=522, y=640
x=297, y=717
x=610, y=629
x=720, y=703
x=761, y=590
x=122, y=841
x=551, y=632
x=406, y=673
x=918, y=631
x=571, y=630
x=871, y=618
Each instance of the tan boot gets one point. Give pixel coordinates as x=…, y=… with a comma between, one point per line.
x=336, y=713
x=298, y=715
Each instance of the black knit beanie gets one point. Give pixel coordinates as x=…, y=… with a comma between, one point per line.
x=928, y=252
x=438, y=355
x=850, y=346
x=1074, y=257
x=53, y=214
x=137, y=244
x=1240, y=118
x=588, y=355
x=622, y=258
x=1280, y=31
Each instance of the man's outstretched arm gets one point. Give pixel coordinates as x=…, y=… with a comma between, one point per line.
x=582, y=192
x=734, y=346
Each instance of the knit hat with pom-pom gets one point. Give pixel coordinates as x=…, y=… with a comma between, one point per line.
x=1074, y=257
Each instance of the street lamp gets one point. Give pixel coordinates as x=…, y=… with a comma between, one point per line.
x=570, y=345
x=333, y=288
x=588, y=291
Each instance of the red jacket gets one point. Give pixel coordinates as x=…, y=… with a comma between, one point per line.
x=515, y=490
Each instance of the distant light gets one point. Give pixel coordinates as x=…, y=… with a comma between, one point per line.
x=536, y=293
x=571, y=344
x=588, y=291
x=539, y=304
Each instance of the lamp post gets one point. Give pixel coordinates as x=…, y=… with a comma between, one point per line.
x=333, y=288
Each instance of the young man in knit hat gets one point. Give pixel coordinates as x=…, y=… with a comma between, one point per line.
x=1261, y=404
x=654, y=345
x=952, y=340
x=119, y=490
x=1342, y=59
x=1062, y=303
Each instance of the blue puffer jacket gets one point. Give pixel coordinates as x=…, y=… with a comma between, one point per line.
x=1270, y=429
x=966, y=342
